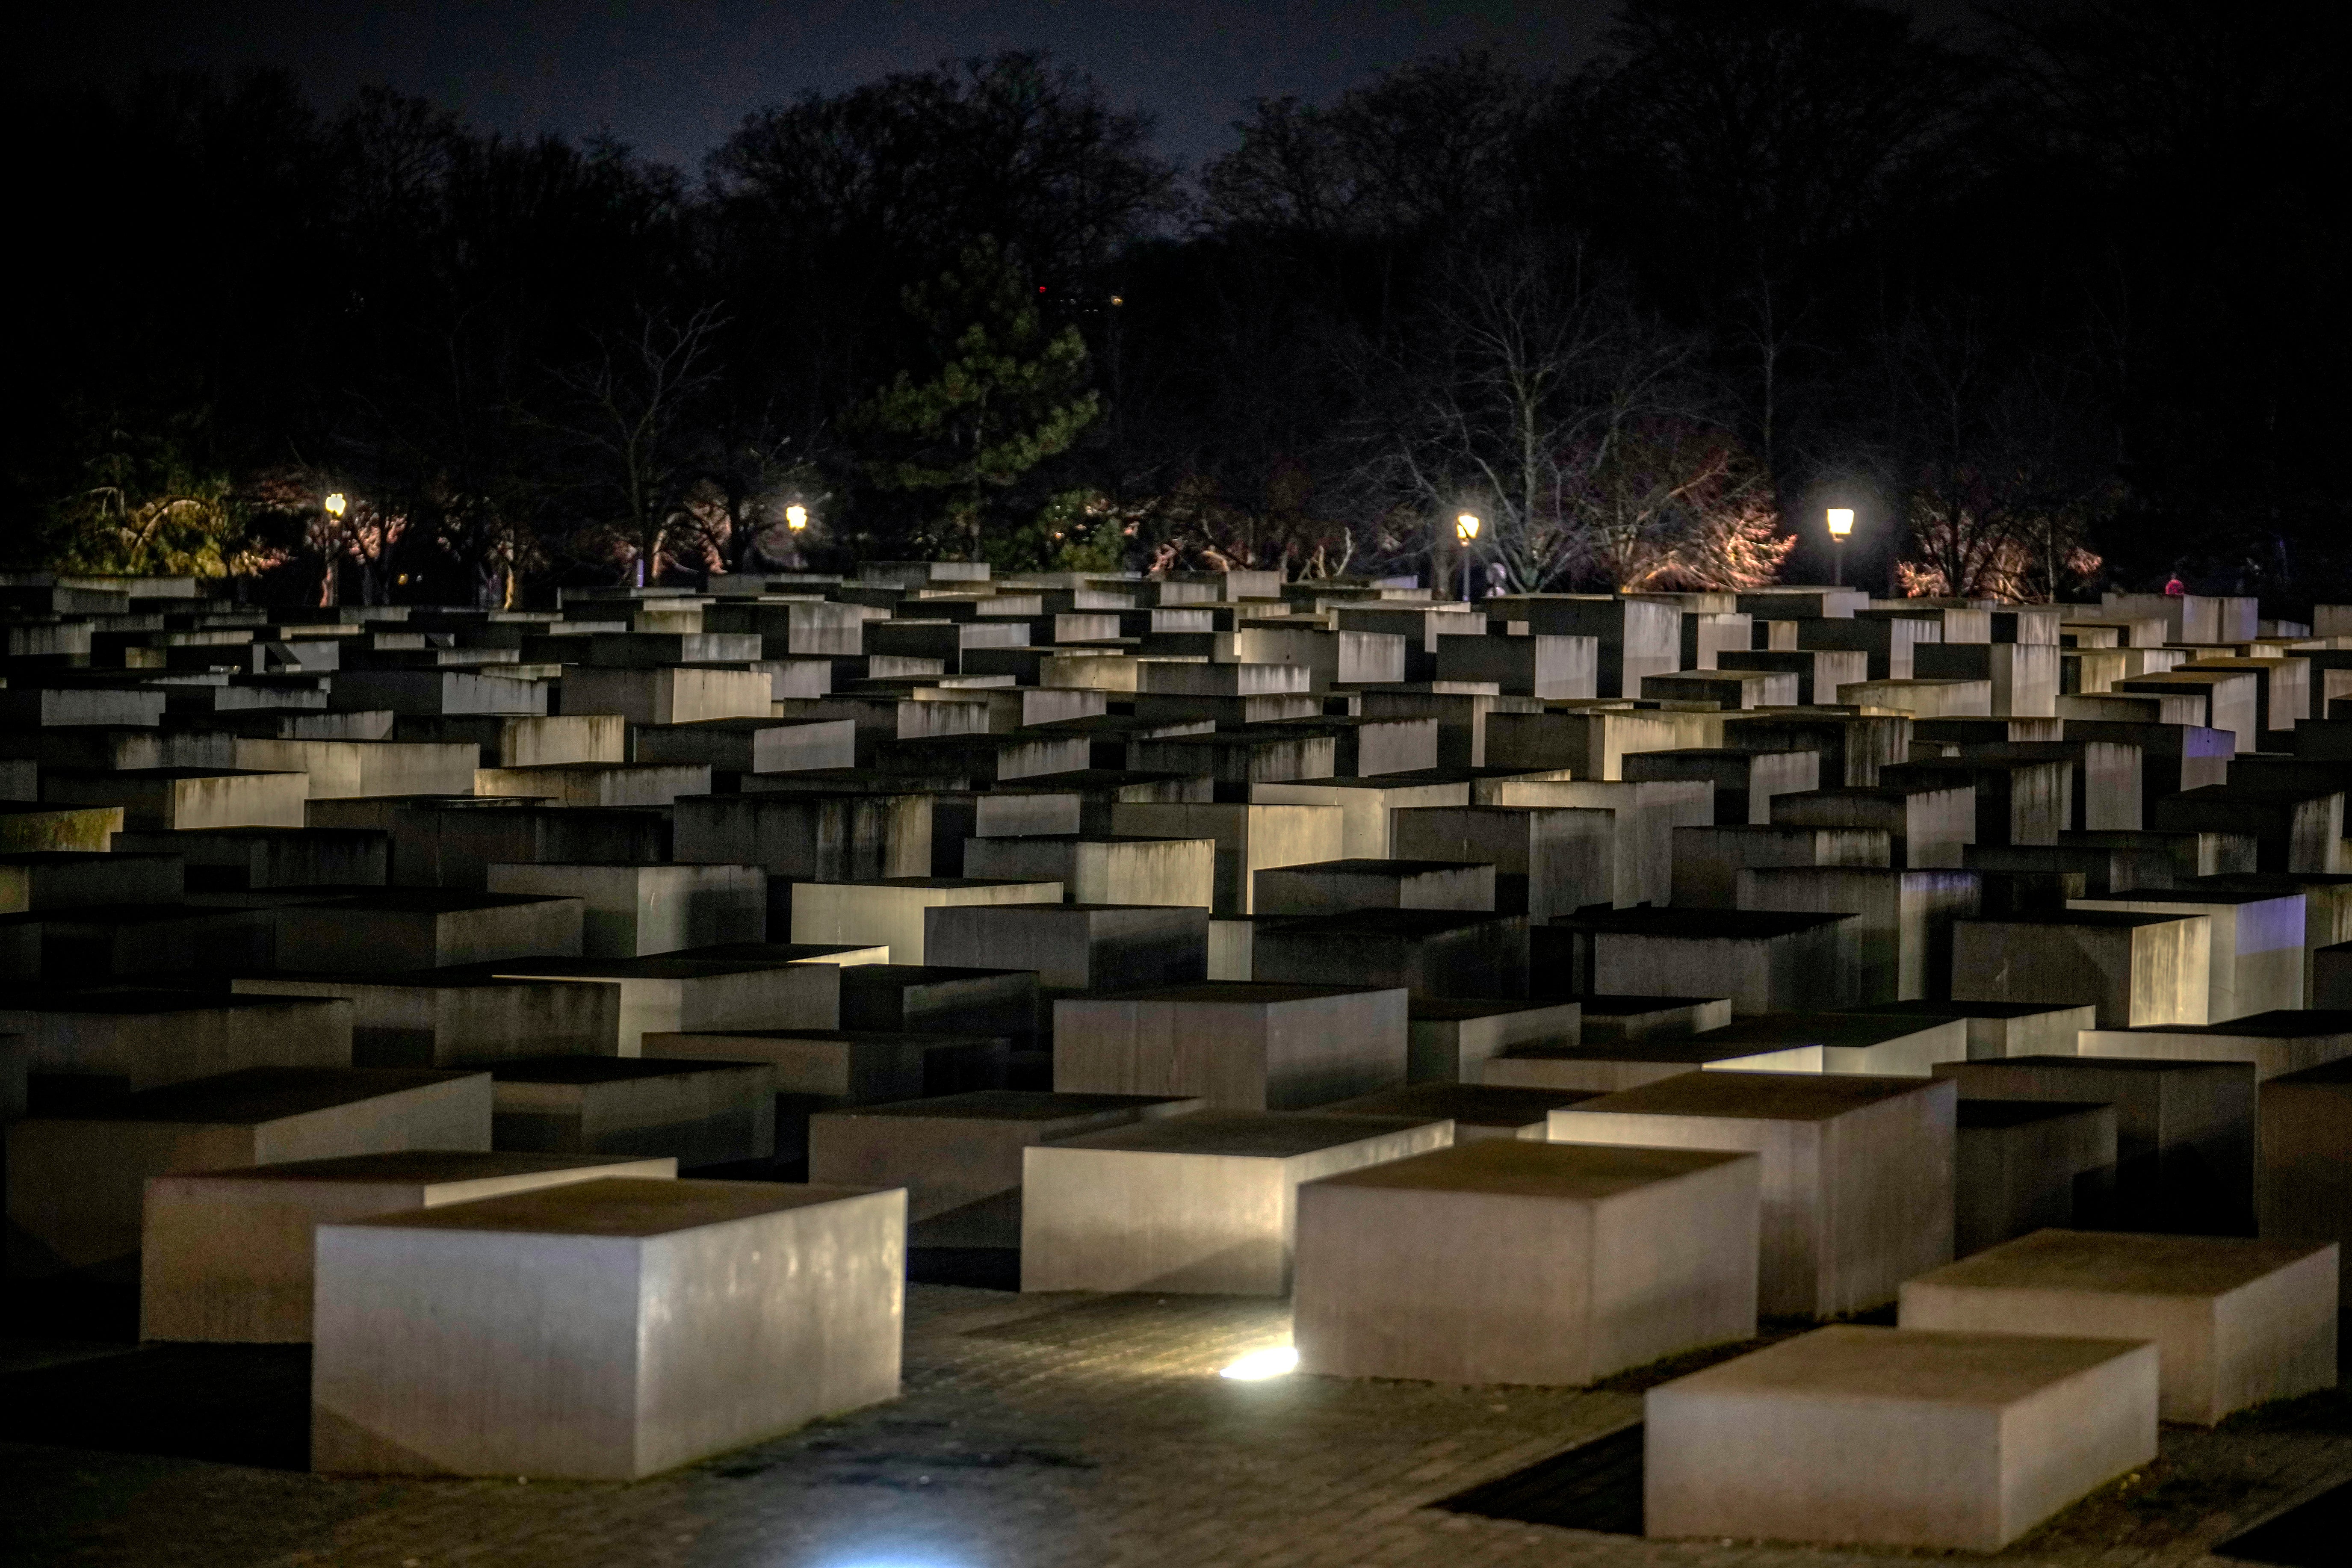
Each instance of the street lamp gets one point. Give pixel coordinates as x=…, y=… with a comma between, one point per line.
x=796, y=517
x=1465, y=533
x=335, y=505
x=1840, y=525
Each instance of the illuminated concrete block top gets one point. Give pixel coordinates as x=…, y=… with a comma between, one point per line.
x=1586, y=1260
x=226, y=1254
x=604, y=1330
x=1896, y=1437
x=2239, y=1321
x=1205, y=1203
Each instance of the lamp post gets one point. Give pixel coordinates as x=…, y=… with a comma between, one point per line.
x=1840, y=525
x=334, y=506
x=1466, y=533
x=796, y=517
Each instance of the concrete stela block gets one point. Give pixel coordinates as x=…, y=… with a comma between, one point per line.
x=1075, y=946
x=1622, y=1256
x=2237, y=1322
x=699, y=1112
x=604, y=1330
x=433, y=1018
x=1999, y=1029
x=889, y=912
x=1103, y=869
x=2286, y=1041
x=226, y=1256
x=673, y=992
x=402, y=929
x=2132, y=969
x=1766, y=963
x=1478, y=1111
x=76, y=1181
x=1240, y=1046
x=1453, y=1038
x=1428, y=952
x=1857, y=1171
x=2185, y=1130
x=2304, y=1190
x=1896, y=1437
x=1335, y=887
x=138, y=1037
x=2021, y=1165
x=1205, y=1203
x=629, y=911
x=960, y=1149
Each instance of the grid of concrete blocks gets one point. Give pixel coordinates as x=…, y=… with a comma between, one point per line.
x=570, y=1022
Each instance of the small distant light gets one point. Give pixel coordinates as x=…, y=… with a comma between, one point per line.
x=1041, y=288
x=1840, y=521
x=796, y=517
x=1274, y=1361
x=1117, y=300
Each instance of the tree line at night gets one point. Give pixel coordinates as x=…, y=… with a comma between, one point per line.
x=2055, y=305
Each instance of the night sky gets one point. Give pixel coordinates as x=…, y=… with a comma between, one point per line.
x=671, y=78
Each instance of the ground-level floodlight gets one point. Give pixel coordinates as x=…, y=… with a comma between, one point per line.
x=1274, y=1361
x=1840, y=525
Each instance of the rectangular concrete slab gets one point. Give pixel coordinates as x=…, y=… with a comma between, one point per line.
x=2132, y=969
x=629, y=911
x=958, y=1149
x=2023, y=1166
x=226, y=1256
x=2236, y=1322
x=1452, y=1038
x=77, y=1183
x=135, y=1039
x=1588, y=1261
x=2006, y=1028
x=2284, y=1041
x=605, y=1329
x=1239, y=1045
x=890, y=912
x=2306, y=1178
x=2184, y=1130
x=431, y=1018
x=669, y=993
x=417, y=928
x=2254, y=943
x=1857, y=1171
x=1190, y=1204
x=1478, y=1111
x=1077, y=946
x=1896, y=1437
x=699, y=1112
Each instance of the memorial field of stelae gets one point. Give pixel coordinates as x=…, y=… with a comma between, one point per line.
x=1911, y=1037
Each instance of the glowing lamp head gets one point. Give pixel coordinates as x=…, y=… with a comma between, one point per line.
x=1274, y=1361
x=1841, y=521
x=796, y=517
x=335, y=504
x=1466, y=526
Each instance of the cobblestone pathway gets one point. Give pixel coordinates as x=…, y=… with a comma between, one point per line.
x=1046, y=1431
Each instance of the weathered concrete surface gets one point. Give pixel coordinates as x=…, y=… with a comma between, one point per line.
x=1896, y=1437
x=610, y=1329
x=1589, y=1260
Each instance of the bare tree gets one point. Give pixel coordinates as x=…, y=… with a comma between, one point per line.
x=1581, y=435
x=1998, y=457
x=632, y=406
